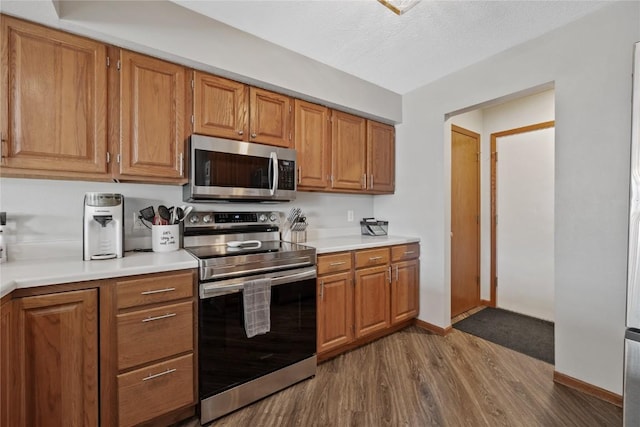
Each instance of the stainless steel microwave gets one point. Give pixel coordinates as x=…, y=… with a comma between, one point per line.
x=228, y=170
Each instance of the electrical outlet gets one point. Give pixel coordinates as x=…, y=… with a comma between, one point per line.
x=137, y=222
x=349, y=215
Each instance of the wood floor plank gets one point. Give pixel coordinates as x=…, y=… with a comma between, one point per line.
x=416, y=378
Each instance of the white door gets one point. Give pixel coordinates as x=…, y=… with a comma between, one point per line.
x=524, y=233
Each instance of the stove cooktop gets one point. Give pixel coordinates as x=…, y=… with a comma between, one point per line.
x=219, y=251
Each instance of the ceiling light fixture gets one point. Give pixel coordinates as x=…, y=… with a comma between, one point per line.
x=399, y=6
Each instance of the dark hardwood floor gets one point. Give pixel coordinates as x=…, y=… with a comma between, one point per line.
x=416, y=378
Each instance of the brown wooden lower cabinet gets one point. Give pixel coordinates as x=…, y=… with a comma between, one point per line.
x=404, y=290
x=372, y=300
x=56, y=360
x=8, y=410
x=115, y=352
x=335, y=311
x=365, y=294
x=155, y=389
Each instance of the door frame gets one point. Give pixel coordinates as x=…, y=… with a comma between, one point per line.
x=478, y=137
x=494, y=217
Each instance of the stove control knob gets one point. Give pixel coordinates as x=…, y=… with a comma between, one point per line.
x=193, y=219
x=262, y=218
x=273, y=217
x=207, y=219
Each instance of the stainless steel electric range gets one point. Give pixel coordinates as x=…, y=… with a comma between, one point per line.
x=233, y=248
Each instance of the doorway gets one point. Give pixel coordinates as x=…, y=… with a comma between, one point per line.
x=465, y=220
x=522, y=220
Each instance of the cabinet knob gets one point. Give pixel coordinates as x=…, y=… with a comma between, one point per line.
x=240, y=132
x=253, y=135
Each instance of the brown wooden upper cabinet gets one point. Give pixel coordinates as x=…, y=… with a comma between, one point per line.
x=348, y=151
x=353, y=155
x=313, y=145
x=54, y=103
x=220, y=107
x=380, y=157
x=229, y=109
x=153, y=131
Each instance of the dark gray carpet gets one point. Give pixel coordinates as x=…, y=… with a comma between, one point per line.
x=524, y=334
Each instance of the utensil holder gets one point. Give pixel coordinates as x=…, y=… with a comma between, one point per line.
x=165, y=238
x=298, y=236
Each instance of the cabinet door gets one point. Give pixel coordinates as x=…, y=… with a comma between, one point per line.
x=152, y=106
x=404, y=291
x=312, y=145
x=380, y=157
x=348, y=151
x=54, y=103
x=57, y=359
x=220, y=107
x=335, y=311
x=372, y=300
x=8, y=407
x=269, y=118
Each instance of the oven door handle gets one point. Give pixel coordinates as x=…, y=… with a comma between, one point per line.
x=209, y=290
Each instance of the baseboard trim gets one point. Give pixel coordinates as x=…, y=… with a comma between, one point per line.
x=587, y=388
x=433, y=328
x=486, y=303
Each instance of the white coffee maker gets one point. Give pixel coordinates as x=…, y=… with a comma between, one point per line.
x=103, y=226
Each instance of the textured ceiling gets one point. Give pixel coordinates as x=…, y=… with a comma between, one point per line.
x=400, y=53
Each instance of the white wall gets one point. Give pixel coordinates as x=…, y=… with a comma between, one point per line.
x=590, y=62
x=167, y=30
x=49, y=212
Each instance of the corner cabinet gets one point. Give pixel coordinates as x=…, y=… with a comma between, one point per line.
x=153, y=128
x=56, y=359
x=364, y=295
x=53, y=116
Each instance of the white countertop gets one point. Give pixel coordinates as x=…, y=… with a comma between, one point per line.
x=53, y=271
x=349, y=243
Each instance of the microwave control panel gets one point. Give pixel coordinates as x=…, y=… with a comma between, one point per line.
x=286, y=175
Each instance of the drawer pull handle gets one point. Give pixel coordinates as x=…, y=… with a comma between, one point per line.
x=334, y=264
x=409, y=252
x=375, y=258
x=157, y=291
x=164, y=316
x=150, y=377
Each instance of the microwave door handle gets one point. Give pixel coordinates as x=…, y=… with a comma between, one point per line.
x=274, y=164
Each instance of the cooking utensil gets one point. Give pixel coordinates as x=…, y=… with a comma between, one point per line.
x=165, y=214
x=148, y=214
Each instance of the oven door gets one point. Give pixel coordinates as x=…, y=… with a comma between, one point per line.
x=236, y=170
x=227, y=358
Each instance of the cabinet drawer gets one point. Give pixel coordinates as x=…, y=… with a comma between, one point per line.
x=147, y=335
x=404, y=252
x=148, y=290
x=371, y=257
x=146, y=393
x=334, y=263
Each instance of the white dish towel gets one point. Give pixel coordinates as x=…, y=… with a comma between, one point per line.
x=256, y=297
